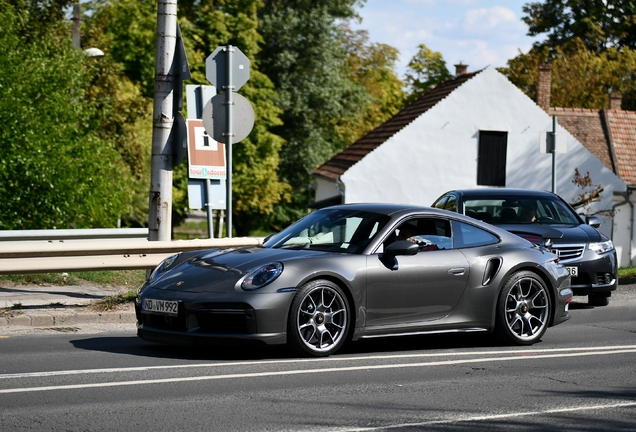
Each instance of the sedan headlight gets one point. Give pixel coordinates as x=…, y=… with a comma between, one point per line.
x=602, y=247
x=261, y=276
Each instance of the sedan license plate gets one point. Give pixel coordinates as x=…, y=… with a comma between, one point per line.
x=167, y=307
x=574, y=271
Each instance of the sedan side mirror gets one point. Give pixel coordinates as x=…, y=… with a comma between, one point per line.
x=593, y=221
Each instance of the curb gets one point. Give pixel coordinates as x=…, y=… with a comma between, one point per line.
x=627, y=280
x=65, y=318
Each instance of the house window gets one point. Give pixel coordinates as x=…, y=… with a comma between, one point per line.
x=491, y=160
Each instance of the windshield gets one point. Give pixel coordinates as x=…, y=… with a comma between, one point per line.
x=526, y=210
x=333, y=230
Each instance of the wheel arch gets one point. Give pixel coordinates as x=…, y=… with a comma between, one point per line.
x=545, y=278
x=346, y=289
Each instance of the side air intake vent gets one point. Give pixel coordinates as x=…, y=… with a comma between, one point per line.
x=490, y=272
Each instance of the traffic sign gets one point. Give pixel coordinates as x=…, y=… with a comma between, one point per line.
x=215, y=118
x=216, y=68
x=206, y=157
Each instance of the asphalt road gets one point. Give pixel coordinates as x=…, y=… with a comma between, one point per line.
x=580, y=377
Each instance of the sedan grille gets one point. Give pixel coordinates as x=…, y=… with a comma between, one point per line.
x=569, y=252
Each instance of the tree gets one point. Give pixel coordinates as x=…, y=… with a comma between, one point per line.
x=600, y=24
x=126, y=28
x=425, y=71
x=304, y=55
x=56, y=170
x=371, y=65
x=580, y=78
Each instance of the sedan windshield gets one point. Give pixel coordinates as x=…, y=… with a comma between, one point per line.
x=333, y=230
x=509, y=210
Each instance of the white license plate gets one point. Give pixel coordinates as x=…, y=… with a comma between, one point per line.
x=574, y=271
x=167, y=307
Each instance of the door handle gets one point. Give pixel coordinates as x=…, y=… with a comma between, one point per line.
x=458, y=271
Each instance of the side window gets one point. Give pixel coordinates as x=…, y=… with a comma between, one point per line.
x=451, y=204
x=441, y=203
x=467, y=235
x=428, y=233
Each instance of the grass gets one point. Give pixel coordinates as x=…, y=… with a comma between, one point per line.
x=627, y=272
x=132, y=278
x=106, y=278
x=111, y=302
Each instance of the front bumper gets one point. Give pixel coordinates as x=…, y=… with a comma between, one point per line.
x=251, y=319
x=596, y=273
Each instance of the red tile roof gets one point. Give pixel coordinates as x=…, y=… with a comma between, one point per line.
x=622, y=135
x=341, y=162
x=587, y=127
x=609, y=134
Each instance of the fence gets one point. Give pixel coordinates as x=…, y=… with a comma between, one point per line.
x=48, y=251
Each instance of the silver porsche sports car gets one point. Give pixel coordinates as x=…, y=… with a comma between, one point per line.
x=358, y=271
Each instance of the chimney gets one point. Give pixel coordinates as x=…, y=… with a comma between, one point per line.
x=544, y=82
x=615, y=101
x=460, y=69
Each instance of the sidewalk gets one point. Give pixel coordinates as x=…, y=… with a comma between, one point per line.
x=46, y=306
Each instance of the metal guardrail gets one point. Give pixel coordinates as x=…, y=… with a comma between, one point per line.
x=74, y=234
x=20, y=257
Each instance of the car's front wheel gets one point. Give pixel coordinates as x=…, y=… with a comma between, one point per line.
x=319, y=319
x=523, y=309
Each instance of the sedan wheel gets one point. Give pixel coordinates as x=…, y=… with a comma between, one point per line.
x=523, y=309
x=319, y=319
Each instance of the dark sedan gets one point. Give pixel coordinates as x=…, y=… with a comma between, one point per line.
x=545, y=218
x=358, y=271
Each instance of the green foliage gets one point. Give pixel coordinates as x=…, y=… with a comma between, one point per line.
x=373, y=67
x=624, y=272
x=133, y=278
x=304, y=56
x=56, y=170
x=580, y=78
x=425, y=71
x=600, y=24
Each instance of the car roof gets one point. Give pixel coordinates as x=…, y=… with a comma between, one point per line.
x=495, y=192
x=389, y=208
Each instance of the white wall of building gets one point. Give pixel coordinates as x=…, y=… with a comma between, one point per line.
x=624, y=235
x=438, y=151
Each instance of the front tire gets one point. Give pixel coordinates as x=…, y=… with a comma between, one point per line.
x=523, y=309
x=319, y=319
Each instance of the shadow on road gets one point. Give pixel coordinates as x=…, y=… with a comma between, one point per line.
x=138, y=347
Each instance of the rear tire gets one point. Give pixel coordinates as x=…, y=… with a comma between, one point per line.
x=523, y=309
x=598, y=299
x=319, y=319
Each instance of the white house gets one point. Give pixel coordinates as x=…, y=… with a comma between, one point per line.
x=477, y=129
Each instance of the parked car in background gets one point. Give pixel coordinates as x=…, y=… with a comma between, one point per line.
x=354, y=272
x=545, y=218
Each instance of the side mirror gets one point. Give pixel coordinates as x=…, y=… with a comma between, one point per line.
x=593, y=221
x=402, y=247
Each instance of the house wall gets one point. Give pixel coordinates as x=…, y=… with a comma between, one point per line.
x=325, y=188
x=624, y=235
x=438, y=151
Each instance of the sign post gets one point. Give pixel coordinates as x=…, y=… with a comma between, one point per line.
x=552, y=142
x=227, y=68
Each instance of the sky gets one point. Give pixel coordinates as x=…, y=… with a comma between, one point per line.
x=477, y=33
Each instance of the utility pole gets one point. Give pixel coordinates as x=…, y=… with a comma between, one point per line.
x=75, y=33
x=160, y=209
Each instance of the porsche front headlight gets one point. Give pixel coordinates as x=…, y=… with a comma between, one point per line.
x=601, y=247
x=261, y=276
